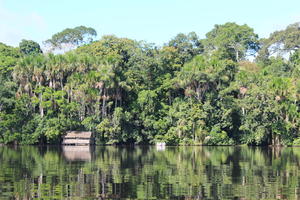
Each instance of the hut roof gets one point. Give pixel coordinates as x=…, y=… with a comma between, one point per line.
x=78, y=134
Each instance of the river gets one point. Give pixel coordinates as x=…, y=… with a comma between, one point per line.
x=148, y=172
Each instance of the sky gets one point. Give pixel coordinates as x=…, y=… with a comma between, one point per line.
x=154, y=21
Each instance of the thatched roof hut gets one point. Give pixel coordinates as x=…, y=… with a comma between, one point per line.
x=78, y=138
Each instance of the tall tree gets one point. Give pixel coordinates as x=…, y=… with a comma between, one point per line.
x=8, y=59
x=232, y=41
x=29, y=47
x=280, y=42
x=187, y=46
x=71, y=38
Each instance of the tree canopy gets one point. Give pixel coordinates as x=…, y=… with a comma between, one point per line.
x=189, y=91
x=29, y=47
x=232, y=41
x=72, y=37
x=280, y=42
x=187, y=46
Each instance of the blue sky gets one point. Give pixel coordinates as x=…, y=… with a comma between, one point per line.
x=154, y=21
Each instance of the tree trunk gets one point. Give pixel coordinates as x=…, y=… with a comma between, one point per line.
x=61, y=83
x=40, y=104
x=116, y=98
x=237, y=55
x=275, y=140
x=104, y=104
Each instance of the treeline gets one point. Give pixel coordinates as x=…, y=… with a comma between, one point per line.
x=189, y=91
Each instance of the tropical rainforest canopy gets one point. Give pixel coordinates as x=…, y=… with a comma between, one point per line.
x=189, y=91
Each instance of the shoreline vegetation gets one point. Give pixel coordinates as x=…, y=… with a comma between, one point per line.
x=149, y=144
x=190, y=91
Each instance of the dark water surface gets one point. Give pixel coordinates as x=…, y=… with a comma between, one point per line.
x=30, y=172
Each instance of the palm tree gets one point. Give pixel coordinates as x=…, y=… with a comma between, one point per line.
x=38, y=77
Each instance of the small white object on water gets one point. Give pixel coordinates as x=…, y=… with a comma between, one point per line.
x=160, y=146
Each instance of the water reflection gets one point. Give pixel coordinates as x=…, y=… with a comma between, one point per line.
x=145, y=173
x=77, y=153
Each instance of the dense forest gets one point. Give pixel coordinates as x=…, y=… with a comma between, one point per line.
x=230, y=87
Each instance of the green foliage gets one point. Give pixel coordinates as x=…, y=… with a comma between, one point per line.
x=187, y=46
x=232, y=41
x=72, y=37
x=218, y=137
x=8, y=59
x=29, y=47
x=280, y=42
x=129, y=92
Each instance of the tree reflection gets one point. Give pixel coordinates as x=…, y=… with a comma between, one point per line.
x=145, y=173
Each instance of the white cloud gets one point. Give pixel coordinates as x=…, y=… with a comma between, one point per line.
x=17, y=26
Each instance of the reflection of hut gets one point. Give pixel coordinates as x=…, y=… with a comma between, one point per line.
x=78, y=138
x=77, y=153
